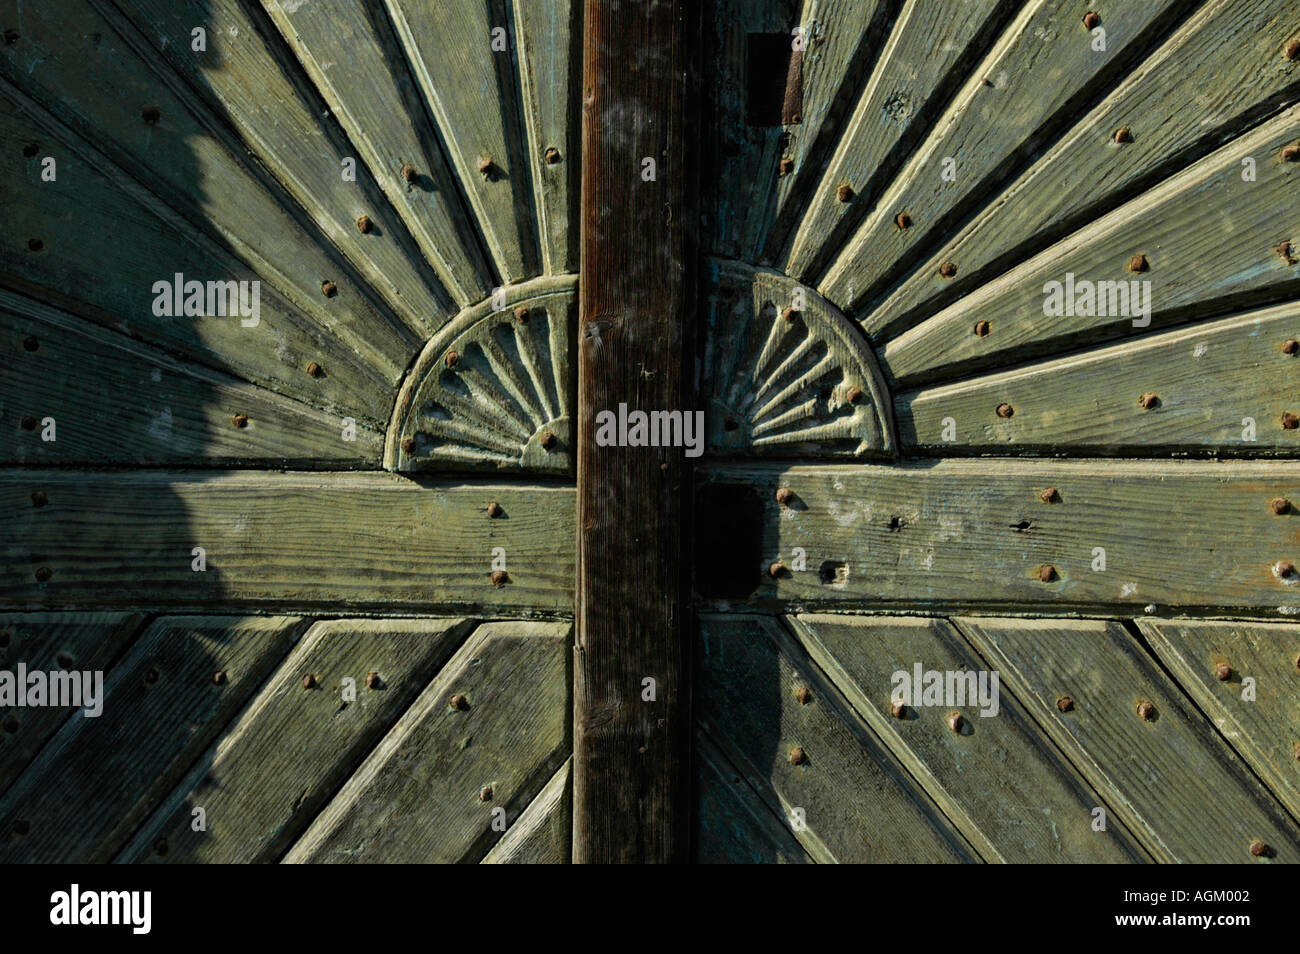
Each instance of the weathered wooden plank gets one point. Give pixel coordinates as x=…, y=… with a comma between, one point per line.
x=631, y=749
x=1185, y=266
x=274, y=539
x=432, y=789
x=289, y=751
x=1220, y=72
x=817, y=762
x=1168, y=776
x=90, y=80
x=541, y=835
x=733, y=826
x=98, y=779
x=471, y=86
x=353, y=58
x=144, y=407
x=1011, y=795
x=250, y=83
x=924, y=56
x=550, y=78
x=1264, y=727
x=48, y=641
x=94, y=278
x=1027, y=87
x=1190, y=534
x=1210, y=381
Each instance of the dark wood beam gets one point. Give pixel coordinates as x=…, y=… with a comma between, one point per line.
x=631, y=757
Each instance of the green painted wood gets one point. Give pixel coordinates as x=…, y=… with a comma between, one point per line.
x=1172, y=780
x=52, y=641
x=858, y=803
x=1264, y=730
x=1032, y=81
x=1221, y=71
x=1011, y=794
x=95, y=279
x=353, y=58
x=473, y=94
x=1207, y=379
x=976, y=533
x=733, y=826
x=98, y=779
x=141, y=406
x=274, y=539
x=428, y=791
x=550, y=77
x=1179, y=226
x=97, y=85
x=541, y=835
x=922, y=57
x=288, y=752
x=248, y=82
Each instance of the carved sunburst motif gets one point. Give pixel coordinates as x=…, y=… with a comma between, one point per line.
x=491, y=390
x=786, y=373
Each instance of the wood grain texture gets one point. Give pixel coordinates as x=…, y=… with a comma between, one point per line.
x=287, y=753
x=1217, y=75
x=1208, y=379
x=542, y=834
x=1186, y=534
x=371, y=540
x=1172, y=780
x=1011, y=794
x=117, y=400
x=1179, y=226
x=1265, y=729
x=98, y=779
x=428, y=792
x=52, y=641
x=857, y=802
x=631, y=755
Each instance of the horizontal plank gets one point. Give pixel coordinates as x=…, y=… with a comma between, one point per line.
x=541, y=835
x=1169, y=776
x=277, y=539
x=1184, y=534
x=1207, y=379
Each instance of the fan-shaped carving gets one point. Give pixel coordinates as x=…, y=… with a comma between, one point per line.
x=491, y=390
x=786, y=373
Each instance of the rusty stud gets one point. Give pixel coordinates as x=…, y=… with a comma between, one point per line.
x=1290, y=346
x=982, y=329
x=903, y=220
x=239, y=420
x=494, y=509
x=549, y=440
x=1284, y=570
x=409, y=173
x=1146, y=711
x=521, y=314
x=309, y=681
x=1065, y=704
x=1291, y=153
x=1046, y=573
x=458, y=702
x=785, y=496
x=151, y=114
x=1279, y=505
x=1289, y=421
x=486, y=166
x=500, y=577
x=804, y=695
x=845, y=192
x=373, y=681
x=43, y=574
x=39, y=499
x=1049, y=495
x=328, y=289
x=1005, y=410
x=776, y=570
x=1222, y=671
x=1148, y=400
x=552, y=155
x=485, y=793
x=954, y=721
x=31, y=343
x=1138, y=263
x=897, y=709
x=364, y=224
x=27, y=422
x=1292, y=49
x=785, y=166
x=408, y=444
x=313, y=369
x=1258, y=848
x=947, y=269
x=219, y=677
x=1285, y=252
x=1123, y=134
x=853, y=394
x=789, y=315
x=797, y=756
x=35, y=245
x=452, y=359
x=1090, y=19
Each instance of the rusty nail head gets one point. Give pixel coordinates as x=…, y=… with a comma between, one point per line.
x=1222, y=671
x=31, y=343
x=903, y=220
x=364, y=225
x=459, y=702
x=1284, y=569
x=797, y=756
x=776, y=570
x=789, y=314
x=784, y=496
x=494, y=509
x=408, y=444
x=409, y=173
x=844, y=192
x=1258, y=848
x=785, y=166
x=1146, y=710
x=1090, y=19
x=39, y=498
x=485, y=167
x=500, y=577
x=239, y=420
x=219, y=677
x=452, y=359
x=309, y=681
x=1138, y=263
x=982, y=329
x=1290, y=346
x=1049, y=495
x=1148, y=400
x=853, y=394
x=1279, y=505
x=552, y=155
x=485, y=793
x=1065, y=704
x=328, y=289
x=549, y=440
x=897, y=708
x=521, y=314
x=947, y=269
x=1292, y=49
x=1290, y=421
x=954, y=721
x=372, y=680
x=313, y=369
x=1123, y=134
x=1291, y=153
x=1005, y=410
x=1046, y=573
x=43, y=574
x=804, y=695
x=28, y=422
x=1285, y=251
x=151, y=114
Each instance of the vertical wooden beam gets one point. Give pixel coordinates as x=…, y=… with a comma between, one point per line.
x=631, y=790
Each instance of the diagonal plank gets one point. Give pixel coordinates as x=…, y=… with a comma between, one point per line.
x=1210, y=382
x=857, y=802
x=541, y=835
x=433, y=787
x=1009, y=792
x=285, y=755
x=363, y=540
x=98, y=779
x=1264, y=729
x=1171, y=779
x=1188, y=534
